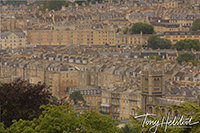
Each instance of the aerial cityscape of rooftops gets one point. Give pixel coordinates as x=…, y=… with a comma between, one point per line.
x=96, y=66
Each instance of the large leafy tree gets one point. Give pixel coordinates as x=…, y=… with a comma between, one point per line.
x=125, y=30
x=185, y=57
x=1, y=83
x=62, y=119
x=156, y=42
x=76, y=96
x=144, y=27
x=53, y=5
x=129, y=128
x=196, y=25
x=189, y=110
x=21, y=100
x=16, y=2
x=187, y=44
x=155, y=57
x=194, y=62
x=57, y=5
x=2, y=129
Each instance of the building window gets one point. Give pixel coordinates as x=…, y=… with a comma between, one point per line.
x=133, y=111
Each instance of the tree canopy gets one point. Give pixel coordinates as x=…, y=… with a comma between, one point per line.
x=125, y=30
x=53, y=5
x=21, y=100
x=194, y=62
x=187, y=44
x=62, y=119
x=157, y=58
x=196, y=25
x=57, y=5
x=156, y=42
x=76, y=96
x=144, y=27
x=185, y=57
x=188, y=110
x=1, y=83
x=15, y=3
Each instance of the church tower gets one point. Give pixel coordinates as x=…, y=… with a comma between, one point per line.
x=152, y=83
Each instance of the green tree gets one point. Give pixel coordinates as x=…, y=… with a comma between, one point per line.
x=196, y=25
x=187, y=44
x=128, y=128
x=185, y=57
x=138, y=47
x=2, y=129
x=156, y=42
x=95, y=122
x=54, y=99
x=144, y=27
x=53, y=5
x=15, y=3
x=157, y=58
x=194, y=62
x=1, y=83
x=57, y=5
x=125, y=31
x=188, y=110
x=62, y=119
x=76, y=96
x=21, y=100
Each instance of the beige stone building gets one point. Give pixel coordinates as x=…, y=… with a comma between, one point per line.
x=131, y=40
x=68, y=37
x=13, y=40
x=120, y=103
x=92, y=95
x=60, y=77
x=170, y=4
x=165, y=27
x=177, y=36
